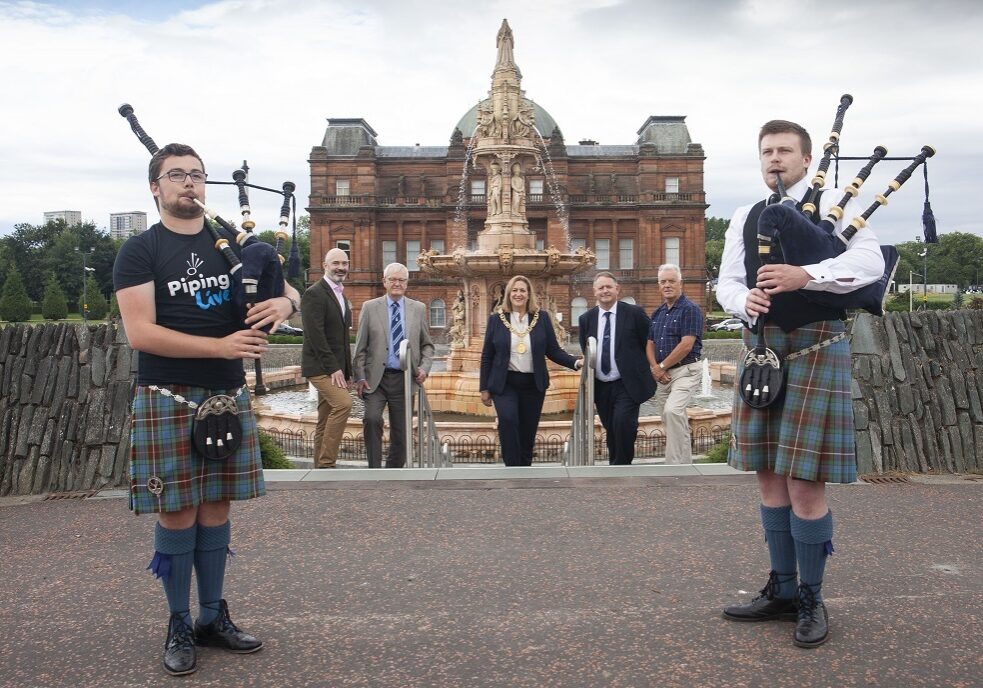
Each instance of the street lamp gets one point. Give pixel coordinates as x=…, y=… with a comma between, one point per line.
x=84, y=305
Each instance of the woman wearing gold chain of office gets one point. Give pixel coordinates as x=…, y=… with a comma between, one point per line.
x=518, y=340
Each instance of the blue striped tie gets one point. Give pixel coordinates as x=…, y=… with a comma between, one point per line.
x=396, y=325
x=606, y=345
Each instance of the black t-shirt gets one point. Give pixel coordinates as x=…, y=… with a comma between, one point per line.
x=193, y=293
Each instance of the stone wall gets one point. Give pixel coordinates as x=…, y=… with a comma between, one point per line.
x=65, y=392
x=917, y=391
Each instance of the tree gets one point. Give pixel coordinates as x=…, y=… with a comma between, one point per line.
x=15, y=304
x=114, y=307
x=54, y=306
x=714, y=229
x=94, y=302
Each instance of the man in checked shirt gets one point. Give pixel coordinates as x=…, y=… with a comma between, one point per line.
x=673, y=351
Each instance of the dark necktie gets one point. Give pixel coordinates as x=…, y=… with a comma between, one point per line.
x=606, y=345
x=396, y=326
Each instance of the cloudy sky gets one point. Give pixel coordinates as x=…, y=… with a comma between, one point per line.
x=257, y=79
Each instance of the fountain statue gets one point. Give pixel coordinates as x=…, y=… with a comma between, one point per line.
x=507, y=146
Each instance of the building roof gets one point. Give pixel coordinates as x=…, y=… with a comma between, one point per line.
x=544, y=121
x=598, y=150
x=411, y=151
x=346, y=136
x=667, y=132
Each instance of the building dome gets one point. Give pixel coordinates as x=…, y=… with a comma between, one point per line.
x=544, y=121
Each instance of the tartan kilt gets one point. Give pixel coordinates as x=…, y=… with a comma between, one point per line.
x=161, y=447
x=809, y=434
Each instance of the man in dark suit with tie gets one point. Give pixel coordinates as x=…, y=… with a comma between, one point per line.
x=326, y=359
x=623, y=381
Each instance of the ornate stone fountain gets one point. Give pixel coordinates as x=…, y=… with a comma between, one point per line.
x=507, y=146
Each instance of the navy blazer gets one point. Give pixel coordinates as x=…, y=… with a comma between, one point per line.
x=631, y=334
x=497, y=351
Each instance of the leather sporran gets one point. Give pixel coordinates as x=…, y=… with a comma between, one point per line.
x=217, y=431
x=762, y=381
x=763, y=378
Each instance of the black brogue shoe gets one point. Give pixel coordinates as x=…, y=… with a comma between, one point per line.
x=180, y=656
x=221, y=632
x=812, y=629
x=766, y=606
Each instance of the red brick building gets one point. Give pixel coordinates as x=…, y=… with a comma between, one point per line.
x=635, y=205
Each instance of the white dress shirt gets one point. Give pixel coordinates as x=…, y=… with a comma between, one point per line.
x=338, y=294
x=614, y=374
x=520, y=363
x=861, y=264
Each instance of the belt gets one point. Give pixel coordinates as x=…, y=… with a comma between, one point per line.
x=394, y=370
x=809, y=349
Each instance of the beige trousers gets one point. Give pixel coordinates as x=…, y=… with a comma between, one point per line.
x=334, y=404
x=671, y=401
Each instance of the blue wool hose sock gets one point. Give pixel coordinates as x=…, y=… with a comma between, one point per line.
x=210, y=555
x=172, y=563
x=813, y=543
x=781, y=547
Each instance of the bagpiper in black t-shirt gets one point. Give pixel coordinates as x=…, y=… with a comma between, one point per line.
x=193, y=294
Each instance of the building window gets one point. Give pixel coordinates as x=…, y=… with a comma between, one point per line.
x=577, y=308
x=540, y=244
x=437, y=245
x=341, y=187
x=412, y=253
x=437, y=313
x=535, y=190
x=672, y=184
x=671, y=254
x=477, y=189
x=345, y=246
x=388, y=253
x=626, y=254
x=577, y=243
x=602, y=247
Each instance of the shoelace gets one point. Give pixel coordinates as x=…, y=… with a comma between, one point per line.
x=771, y=587
x=181, y=632
x=808, y=607
x=225, y=622
x=770, y=591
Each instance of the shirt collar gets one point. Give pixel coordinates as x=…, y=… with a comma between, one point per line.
x=613, y=310
x=390, y=302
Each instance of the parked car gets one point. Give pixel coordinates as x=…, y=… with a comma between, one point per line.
x=285, y=328
x=730, y=324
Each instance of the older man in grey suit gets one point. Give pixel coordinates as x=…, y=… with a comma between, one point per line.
x=383, y=324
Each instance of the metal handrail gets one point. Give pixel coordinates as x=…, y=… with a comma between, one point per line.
x=579, y=449
x=429, y=452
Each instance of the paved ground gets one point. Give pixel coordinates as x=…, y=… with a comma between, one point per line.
x=537, y=582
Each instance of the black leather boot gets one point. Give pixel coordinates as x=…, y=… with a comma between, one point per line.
x=221, y=632
x=812, y=629
x=180, y=656
x=765, y=606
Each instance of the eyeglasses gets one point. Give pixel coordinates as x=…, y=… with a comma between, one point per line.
x=178, y=176
x=397, y=280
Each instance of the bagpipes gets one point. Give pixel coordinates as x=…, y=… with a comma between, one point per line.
x=786, y=235
x=795, y=237
x=258, y=275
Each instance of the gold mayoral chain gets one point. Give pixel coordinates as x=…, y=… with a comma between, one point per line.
x=521, y=334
